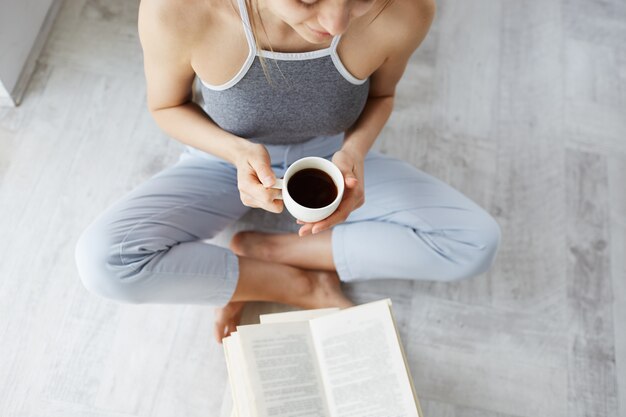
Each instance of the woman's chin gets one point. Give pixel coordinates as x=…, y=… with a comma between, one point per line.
x=313, y=36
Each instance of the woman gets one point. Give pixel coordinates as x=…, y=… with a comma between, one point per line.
x=281, y=79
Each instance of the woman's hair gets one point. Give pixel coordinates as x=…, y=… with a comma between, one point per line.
x=251, y=8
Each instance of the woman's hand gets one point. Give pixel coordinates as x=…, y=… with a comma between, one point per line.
x=351, y=166
x=255, y=177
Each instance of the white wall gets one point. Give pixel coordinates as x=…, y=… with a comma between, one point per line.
x=21, y=22
x=5, y=97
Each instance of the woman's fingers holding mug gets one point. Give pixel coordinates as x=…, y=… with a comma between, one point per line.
x=264, y=173
x=339, y=216
x=256, y=194
x=255, y=160
x=266, y=195
x=305, y=229
x=274, y=206
x=352, y=200
x=267, y=199
x=351, y=182
x=317, y=227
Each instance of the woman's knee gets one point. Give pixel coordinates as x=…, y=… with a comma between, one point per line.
x=478, y=256
x=96, y=259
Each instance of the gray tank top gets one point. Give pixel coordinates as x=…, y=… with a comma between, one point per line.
x=311, y=94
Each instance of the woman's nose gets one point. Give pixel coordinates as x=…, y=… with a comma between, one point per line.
x=335, y=19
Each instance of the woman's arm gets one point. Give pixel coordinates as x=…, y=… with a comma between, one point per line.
x=401, y=41
x=167, y=46
x=167, y=38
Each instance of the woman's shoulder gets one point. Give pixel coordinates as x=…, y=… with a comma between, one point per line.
x=184, y=20
x=403, y=23
x=409, y=12
x=392, y=30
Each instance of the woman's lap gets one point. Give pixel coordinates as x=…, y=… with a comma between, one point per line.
x=148, y=246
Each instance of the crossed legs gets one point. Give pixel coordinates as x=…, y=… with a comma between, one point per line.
x=148, y=248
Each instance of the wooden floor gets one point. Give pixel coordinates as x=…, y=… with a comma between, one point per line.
x=520, y=104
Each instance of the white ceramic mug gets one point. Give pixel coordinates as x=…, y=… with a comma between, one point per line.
x=308, y=214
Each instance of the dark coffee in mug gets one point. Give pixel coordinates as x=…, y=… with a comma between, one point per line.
x=312, y=188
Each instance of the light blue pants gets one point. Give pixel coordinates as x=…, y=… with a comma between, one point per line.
x=147, y=247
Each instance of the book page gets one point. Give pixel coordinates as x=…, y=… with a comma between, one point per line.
x=238, y=384
x=302, y=315
x=283, y=372
x=362, y=364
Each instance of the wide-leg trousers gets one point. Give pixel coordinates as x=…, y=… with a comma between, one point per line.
x=148, y=246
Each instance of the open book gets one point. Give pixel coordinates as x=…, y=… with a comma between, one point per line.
x=321, y=363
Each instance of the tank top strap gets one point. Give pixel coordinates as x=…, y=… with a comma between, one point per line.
x=339, y=64
x=334, y=43
x=247, y=27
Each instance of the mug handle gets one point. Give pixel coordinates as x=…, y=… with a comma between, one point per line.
x=278, y=185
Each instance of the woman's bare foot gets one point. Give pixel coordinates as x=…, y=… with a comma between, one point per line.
x=312, y=255
x=281, y=282
x=310, y=252
x=325, y=291
x=227, y=318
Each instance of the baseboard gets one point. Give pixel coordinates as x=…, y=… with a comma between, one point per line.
x=31, y=62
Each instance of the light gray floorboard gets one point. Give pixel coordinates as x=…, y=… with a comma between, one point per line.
x=529, y=197
x=518, y=104
x=480, y=356
x=617, y=206
x=434, y=408
x=592, y=384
